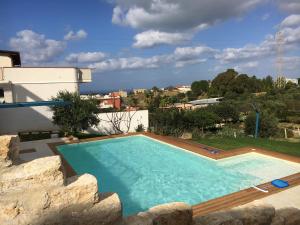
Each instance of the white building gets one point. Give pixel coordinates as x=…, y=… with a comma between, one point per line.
x=183, y=88
x=32, y=84
x=139, y=91
x=200, y=103
x=294, y=81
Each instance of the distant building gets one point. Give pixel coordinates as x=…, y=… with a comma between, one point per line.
x=281, y=81
x=294, y=81
x=123, y=94
x=183, y=88
x=112, y=100
x=205, y=102
x=139, y=91
x=180, y=106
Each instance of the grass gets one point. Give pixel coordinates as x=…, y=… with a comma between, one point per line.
x=228, y=143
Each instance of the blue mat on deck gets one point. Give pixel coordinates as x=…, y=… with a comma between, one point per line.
x=280, y=183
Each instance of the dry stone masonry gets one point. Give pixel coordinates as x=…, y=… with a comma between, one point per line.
x=37, y=192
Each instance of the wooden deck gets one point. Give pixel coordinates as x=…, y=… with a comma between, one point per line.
x=217, y=204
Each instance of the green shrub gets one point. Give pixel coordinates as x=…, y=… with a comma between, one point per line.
x=268, y=125
x=140, y=128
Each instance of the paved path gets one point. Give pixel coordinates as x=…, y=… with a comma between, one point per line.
x=284, y=199
x=41, y=148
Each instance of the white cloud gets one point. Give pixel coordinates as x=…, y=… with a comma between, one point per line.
x=291, y=63
x=247, y=52
x=178, y=15
x=85, y=57
x=291, y=21
x=127, y=63
x=265, y=16
x=187, y=53
x=245, y=66
x=291, y=6
x=152, y=38
x=179, y=58
x=75, y=36
x=180, y=64
x=290, y=42
x=36, y=48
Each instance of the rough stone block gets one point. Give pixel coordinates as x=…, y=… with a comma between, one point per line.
x=42, y=172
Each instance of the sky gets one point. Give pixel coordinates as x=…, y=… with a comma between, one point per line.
x=145, y=43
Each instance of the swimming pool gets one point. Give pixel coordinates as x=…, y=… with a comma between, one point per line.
x=146, y=172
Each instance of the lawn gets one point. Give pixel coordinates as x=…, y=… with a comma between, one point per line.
x=228, y=143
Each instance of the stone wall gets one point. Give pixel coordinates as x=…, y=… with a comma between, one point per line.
x=37, y=192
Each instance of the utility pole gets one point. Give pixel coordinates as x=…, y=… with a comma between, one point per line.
x=280, y=81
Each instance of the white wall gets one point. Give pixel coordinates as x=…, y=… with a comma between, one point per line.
x=40, y=75
x=5, y=61
x=25, y=119
x=40, y=92
x=138, y=117
x=40, y=84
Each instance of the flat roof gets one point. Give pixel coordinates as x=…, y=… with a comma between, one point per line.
x=15, y=56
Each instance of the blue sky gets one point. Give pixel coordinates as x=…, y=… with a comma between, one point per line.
x=142, y=43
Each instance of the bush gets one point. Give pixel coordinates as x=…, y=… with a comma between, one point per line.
x=268, y=125
x=79, y=115
x=140, y=128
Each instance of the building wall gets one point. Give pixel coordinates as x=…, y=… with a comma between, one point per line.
x=5, y=61
x=40, y=84
x=105, y=127
x=40, y=75
x=31, y=92
x=30, y=85
x=14, y=120
x=23, y=119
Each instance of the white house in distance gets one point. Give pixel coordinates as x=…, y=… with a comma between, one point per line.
x=200, y=103
x=183, y=88
x=32, y=84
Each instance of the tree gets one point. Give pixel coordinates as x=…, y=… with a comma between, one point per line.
x=78, y=115
x=202, y=118
x=221, y=84
x=199, y=87
x=240, y=84
x=268, y=125
x=226, y=111
x=267, y=83
x=117, y=119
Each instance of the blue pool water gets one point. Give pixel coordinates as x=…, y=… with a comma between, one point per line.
x=145, y=172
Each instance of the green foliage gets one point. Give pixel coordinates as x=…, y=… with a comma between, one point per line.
x=175, y=122
x=226, y=111
x=267, y=83
x=221, y=84
x=78, y=116
x=140, y=128
x=268, y=124
x=201, y=118
x=199, y=87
